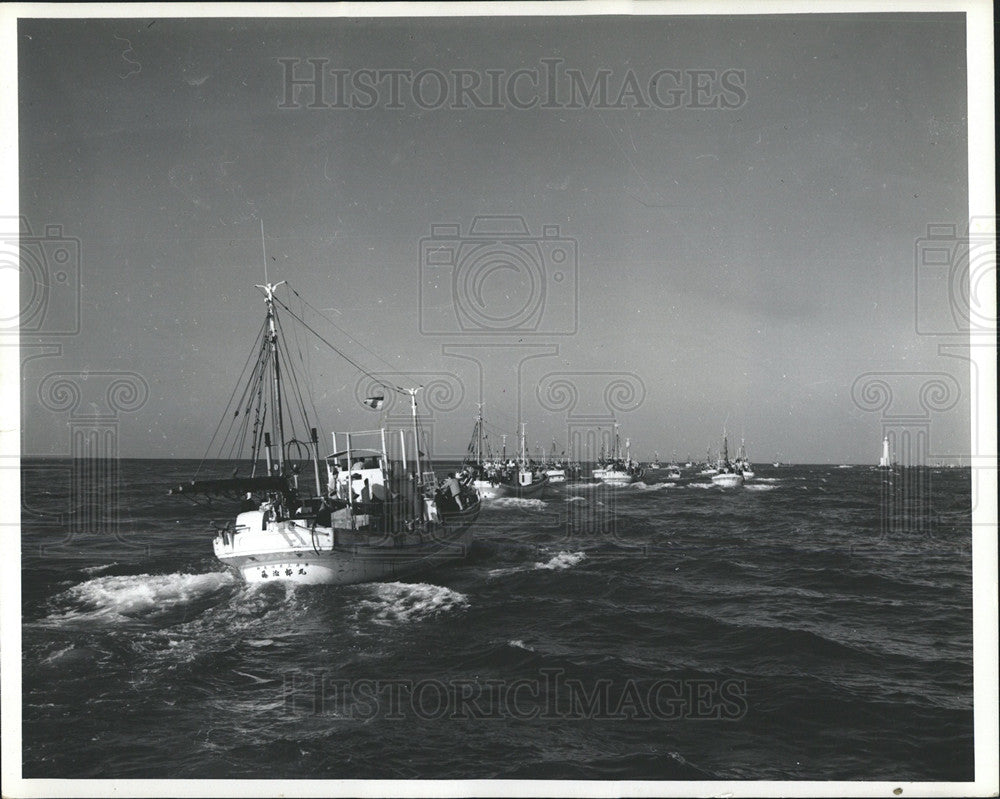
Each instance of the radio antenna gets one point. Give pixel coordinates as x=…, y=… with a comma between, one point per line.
x=263, y=247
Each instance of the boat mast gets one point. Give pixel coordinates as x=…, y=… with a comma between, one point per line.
x=268, y=289
x=479, y=434
x=413, y=415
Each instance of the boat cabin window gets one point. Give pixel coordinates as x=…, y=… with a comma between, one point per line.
x=358, y=478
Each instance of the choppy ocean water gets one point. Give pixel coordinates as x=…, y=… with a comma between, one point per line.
x=665, y=630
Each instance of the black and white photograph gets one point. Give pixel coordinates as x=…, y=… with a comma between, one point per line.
x=497, y=399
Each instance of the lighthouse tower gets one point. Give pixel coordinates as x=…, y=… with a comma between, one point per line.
x=884, y=462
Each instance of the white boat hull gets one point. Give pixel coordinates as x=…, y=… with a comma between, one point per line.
x=616, y=477
x=556, y=475
x=728, y=480
x=290, y=551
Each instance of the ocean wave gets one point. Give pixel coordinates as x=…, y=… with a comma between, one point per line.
x=502, y=571
x=519, y=644
x=99, y=569
x=563, y=560
x=134, y=596
x=756, y=487
x=409, y=602
x=641, y=486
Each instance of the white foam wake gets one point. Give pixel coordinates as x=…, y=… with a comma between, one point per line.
x=408, y=602
x=521, y=503
x=135, y=595
x=99, y=569
x=564, y=560
x=641, y=486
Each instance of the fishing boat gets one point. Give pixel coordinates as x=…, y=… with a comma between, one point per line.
x=618, y=469
x=504, y=477
x=742, y=462
x=709, y=467
x=554, y=468
x=655, y=463
x=727, y=476
x=375, y=512
x=673, y=469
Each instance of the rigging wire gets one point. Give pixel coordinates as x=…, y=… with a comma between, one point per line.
x=341, y=353
x=333, y=324
x=246, y=399
x=228, y=405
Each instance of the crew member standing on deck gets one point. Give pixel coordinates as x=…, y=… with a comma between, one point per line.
x=452, y=485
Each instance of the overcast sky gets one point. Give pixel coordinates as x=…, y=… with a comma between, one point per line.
x=744, y=263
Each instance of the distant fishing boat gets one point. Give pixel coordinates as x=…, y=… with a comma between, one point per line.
x=503, y=477
x=618, y=469
x=381, y=513
x=709, y=467
x=673, y=469
x=742, y=463
x=655, y=463
x=727, y=476
x=554, y=468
